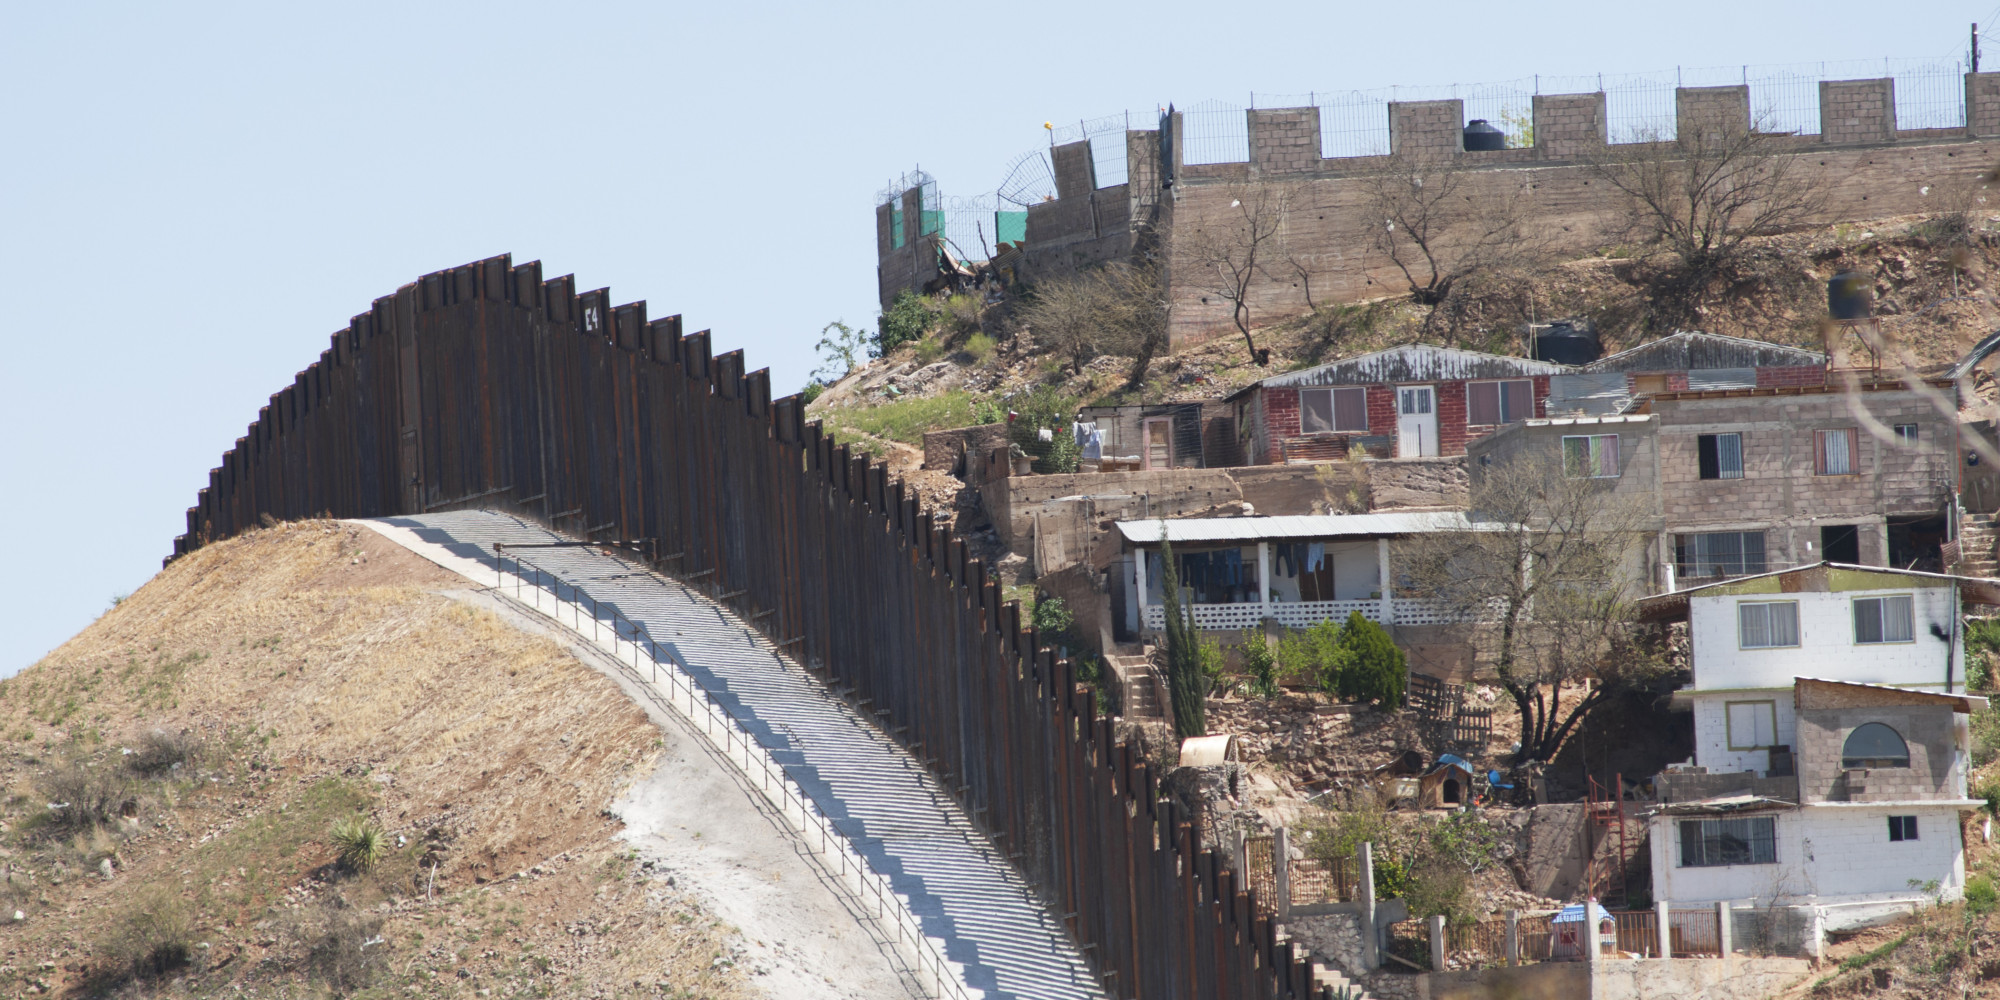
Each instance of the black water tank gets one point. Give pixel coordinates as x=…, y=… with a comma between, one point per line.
x=1850, y=294
x=1568, y=342
x=1481, y=136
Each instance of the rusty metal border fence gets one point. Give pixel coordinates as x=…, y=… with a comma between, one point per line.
x=486, y=385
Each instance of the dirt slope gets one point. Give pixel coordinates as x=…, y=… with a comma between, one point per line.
x=274, y=685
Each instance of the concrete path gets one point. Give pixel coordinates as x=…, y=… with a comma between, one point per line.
x=900, y=820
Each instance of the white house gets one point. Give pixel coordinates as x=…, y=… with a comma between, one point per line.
x=1831, y=745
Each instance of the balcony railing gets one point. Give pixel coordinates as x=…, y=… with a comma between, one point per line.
x=1305, y=614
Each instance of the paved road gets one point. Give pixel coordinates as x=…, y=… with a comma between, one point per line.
x=896, y=814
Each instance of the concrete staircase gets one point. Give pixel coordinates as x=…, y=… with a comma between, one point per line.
x=1326, y=977
x=1140, y=695
x=1977, y=535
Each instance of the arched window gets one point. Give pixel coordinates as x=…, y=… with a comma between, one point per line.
x=1873, y=744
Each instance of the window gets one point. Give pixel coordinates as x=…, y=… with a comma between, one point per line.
x=1906, y=435
x=1415, y=402
x=1834, y=452
x=1767, y=624
x=1902, y=828
x=1883, y=619
x=1752, y=725
x=1708, y=843
x=1873, y=744
x=1721, y=456
x=1323, y=410
x=1719, y=553
x=1591, y=457
x=1499, y=402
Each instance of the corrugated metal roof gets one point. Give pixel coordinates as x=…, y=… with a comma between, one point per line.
x=1414, y=363
x=1254, y=529
x=1692, y=350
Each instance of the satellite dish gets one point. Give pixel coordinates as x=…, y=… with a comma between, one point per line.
x=1029, y=181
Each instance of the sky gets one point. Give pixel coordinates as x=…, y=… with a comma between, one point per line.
x=194, y=196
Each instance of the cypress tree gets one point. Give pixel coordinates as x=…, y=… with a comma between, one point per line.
x=1186, y=687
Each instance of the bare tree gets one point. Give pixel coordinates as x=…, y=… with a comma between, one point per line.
x=1114, y=308
x=1231, y=253
x=1429, y=216
x=1548, y=574
x=1700, y=195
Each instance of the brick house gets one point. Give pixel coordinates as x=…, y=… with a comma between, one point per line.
x=1740, y=480
x=1830, y=725
x=1409, y=401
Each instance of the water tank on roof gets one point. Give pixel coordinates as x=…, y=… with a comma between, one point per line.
x=1850, y=294
x=1480, y=135
x=1568, y=342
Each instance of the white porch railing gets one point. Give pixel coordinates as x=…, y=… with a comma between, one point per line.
x=1305, y=614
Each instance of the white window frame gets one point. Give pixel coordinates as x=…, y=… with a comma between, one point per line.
x=1881, y=601
x=1729, y=724
x=1720, y=472
x=1333, y=410
x=1741, y=606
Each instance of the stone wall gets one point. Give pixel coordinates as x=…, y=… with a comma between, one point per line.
x=1334, y=937
x=942, y=449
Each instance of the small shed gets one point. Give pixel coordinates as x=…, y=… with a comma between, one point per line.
x=1569, y=935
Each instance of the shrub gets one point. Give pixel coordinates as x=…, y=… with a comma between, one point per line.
x=81, y=795
x=153, y=938
x=160, y=751
x=1262, y=666
x=1985, y=737
x=1375, y=669
x=812, y=390
x=332, y=942
x=906, y=319
x=977, y=347
x=1980, y=896
x=359, y=843
x=1313, y=655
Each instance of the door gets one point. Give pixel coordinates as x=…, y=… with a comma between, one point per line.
x=1416, y=421
x=1158, y=433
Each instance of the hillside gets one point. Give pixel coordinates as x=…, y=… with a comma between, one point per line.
x=175, y=773
x=976, y=359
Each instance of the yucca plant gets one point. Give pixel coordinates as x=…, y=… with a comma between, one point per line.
x=360, y=842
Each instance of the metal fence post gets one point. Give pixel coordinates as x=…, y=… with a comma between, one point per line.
x=1723, y=932
x=1513, y=938
x=1437, y=942
x=1281, y=872
x=1364, y=893
x=1665, y=928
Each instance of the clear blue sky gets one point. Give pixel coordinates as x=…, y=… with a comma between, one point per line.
x=193, y=196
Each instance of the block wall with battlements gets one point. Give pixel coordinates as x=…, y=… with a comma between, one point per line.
x=1867, y=167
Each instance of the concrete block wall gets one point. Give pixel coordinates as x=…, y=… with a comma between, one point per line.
x=1284, y=140
x=1567, y=125
x=1857, y=111
x=1420, y=127
x=1928, y=730
x=1713, y=108
x=1982, y=104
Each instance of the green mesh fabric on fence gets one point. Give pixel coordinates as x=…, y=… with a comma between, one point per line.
x=1010, y=227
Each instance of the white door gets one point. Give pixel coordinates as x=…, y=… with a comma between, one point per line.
x=1416, y=421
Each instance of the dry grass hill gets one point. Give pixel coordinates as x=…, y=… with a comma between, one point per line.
x=286, y=768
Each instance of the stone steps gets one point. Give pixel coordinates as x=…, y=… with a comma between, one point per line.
x=1139, y=697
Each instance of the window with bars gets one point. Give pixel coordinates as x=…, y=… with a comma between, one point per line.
x=1883, y=619
x=1767, y=624
x=1834, y=452
x=1324, y=410
x=1499, y=402
x=1719, y=553
x=1721, y=455
x=1712, y=843
x=1591, y=456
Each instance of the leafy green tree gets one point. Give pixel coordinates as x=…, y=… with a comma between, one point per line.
x=841, y=348
x=1372, y=669
x=1262, y=666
